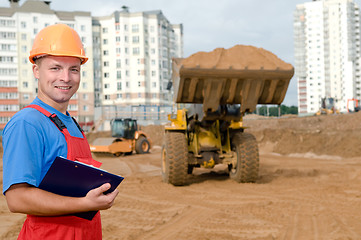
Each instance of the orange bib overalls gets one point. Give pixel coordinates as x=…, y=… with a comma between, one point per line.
x=64, y=227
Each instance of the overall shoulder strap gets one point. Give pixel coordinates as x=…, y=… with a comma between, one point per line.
x=77, y=124
x=55, y=119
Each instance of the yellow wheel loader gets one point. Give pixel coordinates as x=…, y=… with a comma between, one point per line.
x=125, y=139
x=213, y=91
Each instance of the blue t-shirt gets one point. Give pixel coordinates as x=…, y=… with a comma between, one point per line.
x=31, y=141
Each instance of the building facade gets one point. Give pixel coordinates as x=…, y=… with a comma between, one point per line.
x=327, y=53
x=135, y=55
x=129, y=63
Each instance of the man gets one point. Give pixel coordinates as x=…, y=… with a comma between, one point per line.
x=39, y=133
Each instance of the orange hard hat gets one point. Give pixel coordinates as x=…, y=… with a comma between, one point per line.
x=58, y=40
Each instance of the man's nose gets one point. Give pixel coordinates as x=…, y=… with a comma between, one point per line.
x=65, y=75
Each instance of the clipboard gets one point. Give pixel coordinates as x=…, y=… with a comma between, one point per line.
x=76, y=179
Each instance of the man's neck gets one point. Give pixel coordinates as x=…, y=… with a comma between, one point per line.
x=61, y=107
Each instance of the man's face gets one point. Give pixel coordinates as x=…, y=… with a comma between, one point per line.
x=59, y=79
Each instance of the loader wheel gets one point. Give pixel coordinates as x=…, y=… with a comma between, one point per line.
x=175, y=158
x=246, y=168
x=142, y=145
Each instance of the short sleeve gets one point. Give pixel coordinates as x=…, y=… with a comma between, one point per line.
x=23, y=147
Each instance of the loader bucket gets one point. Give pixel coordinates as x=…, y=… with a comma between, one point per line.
x=243, y=75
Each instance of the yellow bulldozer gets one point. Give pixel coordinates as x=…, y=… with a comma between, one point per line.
x=125, y=138
x=213, y=91
x=327, y=107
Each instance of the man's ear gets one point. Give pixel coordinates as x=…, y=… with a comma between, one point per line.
x=36, y=71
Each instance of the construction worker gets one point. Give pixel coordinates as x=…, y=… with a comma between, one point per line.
x=37, y=134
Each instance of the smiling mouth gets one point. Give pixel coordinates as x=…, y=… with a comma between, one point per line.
x=63, y=88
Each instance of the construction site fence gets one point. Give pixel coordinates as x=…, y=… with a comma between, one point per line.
x=144, y=114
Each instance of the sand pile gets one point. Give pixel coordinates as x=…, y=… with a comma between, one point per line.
x=238, y=57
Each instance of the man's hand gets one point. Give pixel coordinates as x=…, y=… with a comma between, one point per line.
x=97, y=200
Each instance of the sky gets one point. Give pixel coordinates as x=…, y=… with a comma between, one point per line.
x=210, y=24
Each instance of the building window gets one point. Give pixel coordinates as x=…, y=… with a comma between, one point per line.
x=106, y=85
x=117, y=39
x=118, y=63
x=135, y=39
x=139, y=84
x=135, y=28
x=136, y=51
x=105, y=52
x=107, y=97
x=106, y=64
x=106, y=75
x=105, y=41
x=23, y=24
x=105, y=30
x=82, y=28
x=119, y=86
x=119, y=74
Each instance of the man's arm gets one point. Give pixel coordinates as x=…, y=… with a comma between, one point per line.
x=23, y=198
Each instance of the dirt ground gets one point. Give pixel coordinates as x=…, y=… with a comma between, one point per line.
x=308, y=188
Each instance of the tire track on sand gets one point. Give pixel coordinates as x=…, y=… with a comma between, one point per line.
x=182, y=220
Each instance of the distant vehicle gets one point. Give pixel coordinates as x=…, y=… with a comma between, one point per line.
x=125, y=139
x=327, y=107
x=356, y=106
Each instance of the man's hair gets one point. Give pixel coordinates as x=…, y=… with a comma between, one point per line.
x=38, y=60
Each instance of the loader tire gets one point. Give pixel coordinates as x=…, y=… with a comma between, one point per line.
x=247, y=166
x=142, y=145
x=175, y=158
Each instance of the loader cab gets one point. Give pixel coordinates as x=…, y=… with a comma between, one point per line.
x=123, y=128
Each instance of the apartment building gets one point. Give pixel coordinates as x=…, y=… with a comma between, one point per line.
x=133, y=60
x=129, y=67
x=327, y=53
x=18, y=27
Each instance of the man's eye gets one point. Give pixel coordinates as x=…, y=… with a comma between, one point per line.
x=75, y=70
x=54, y=68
